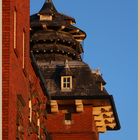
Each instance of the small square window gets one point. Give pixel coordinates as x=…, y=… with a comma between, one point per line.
x=66, y=83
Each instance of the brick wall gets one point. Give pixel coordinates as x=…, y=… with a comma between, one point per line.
x=82, y=126
x=17, y=83
x=5, y=65
x=81, y=136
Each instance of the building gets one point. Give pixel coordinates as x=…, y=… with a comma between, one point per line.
x=79, y=107
x=48, y=91
x=23, y=99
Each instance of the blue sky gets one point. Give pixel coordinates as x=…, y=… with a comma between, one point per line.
x=111, y=46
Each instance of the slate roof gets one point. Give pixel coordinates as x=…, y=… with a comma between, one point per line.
x=57, y=34
x=49, y=9
x=84, y=82
x=52, y=46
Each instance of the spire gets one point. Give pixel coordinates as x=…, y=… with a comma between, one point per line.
x=66, y=71
x=48, y=8
x=66, y=64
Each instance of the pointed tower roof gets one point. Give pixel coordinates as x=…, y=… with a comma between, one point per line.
x=48, y=8
x=57, y=32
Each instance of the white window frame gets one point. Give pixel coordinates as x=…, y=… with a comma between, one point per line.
x=66, y=87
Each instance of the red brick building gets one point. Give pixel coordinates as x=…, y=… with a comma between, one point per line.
x=48, y=92
x=22, y=97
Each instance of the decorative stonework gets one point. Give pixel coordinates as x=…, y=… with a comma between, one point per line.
x=37, y=116
x=104, y=119
x=79, y=105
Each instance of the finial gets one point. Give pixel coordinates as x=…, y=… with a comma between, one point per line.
x=96, y=71
x=66, y=64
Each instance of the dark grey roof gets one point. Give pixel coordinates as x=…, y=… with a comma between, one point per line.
x=99, y=78
x=84, y=83
x=55, y=32
x=48, y=8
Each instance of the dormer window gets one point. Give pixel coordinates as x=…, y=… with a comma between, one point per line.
x=45, y=17
x=66, y=83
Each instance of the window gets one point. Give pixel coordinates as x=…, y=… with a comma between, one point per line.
x=68, y=119
x=66, y=83
x=15, y=28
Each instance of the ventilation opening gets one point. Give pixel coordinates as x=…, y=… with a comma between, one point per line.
x=68, y=119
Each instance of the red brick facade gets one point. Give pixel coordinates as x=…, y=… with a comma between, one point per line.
x=82, y=127
x=5, y=66
x=19, y=84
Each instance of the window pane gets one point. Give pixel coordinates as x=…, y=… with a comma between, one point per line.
x=68, y=85
x=64, y=79
x=64, y=85
x=68, y=79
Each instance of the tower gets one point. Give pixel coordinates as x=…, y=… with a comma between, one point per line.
x=79, y=106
